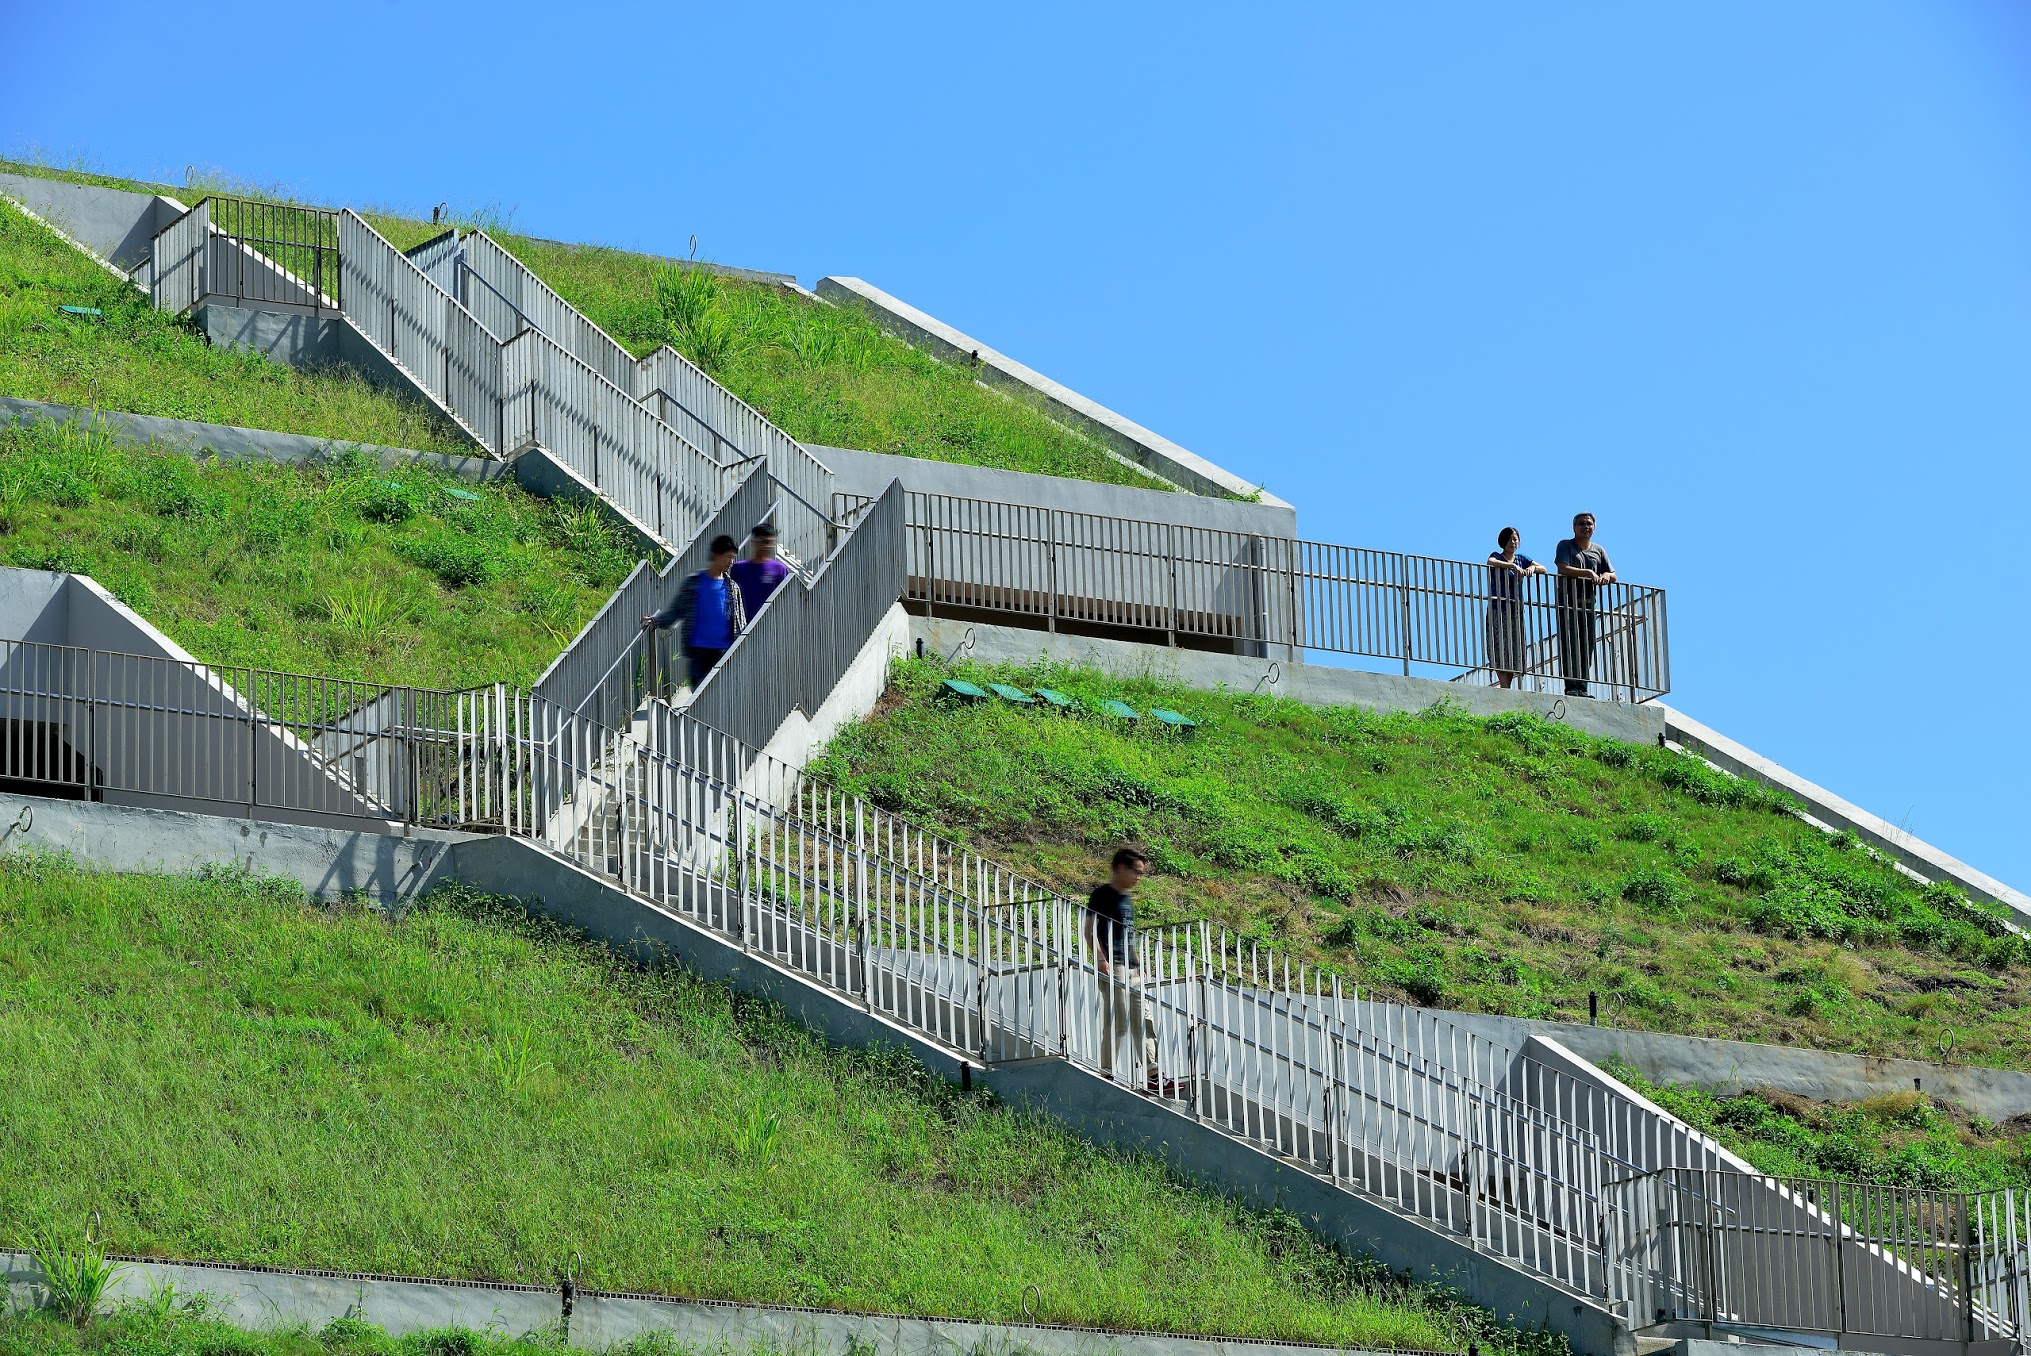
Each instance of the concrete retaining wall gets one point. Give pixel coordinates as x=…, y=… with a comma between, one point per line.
x=1123, y=436
x=328, y=862
x=1830, y=810
x=297, y=339
x=1730, y=1067
x=869, y=473
x=256, y=1298
x=116, y=224
x=1312, y=684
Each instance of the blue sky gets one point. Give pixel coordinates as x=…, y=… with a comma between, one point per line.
x=1750, y=282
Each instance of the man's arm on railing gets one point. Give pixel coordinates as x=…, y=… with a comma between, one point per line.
x=678, y=610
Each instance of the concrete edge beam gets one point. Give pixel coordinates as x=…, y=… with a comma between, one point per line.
x=1312, y=684
x=1921, y=856
x=1151, y=451
x=232, y=443
x=260, y=1298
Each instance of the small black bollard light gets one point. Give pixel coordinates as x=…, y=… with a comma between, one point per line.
x=966, y=1077
x=920, y=647
x=1917, y=1085
x=1593, y=1008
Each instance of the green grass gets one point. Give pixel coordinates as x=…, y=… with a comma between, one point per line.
x=1504, y=865
x=227, y=1072
x=1905, y=1139
x=339, y=568
x=136, y=359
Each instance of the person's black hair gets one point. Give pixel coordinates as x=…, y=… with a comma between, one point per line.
x=763, y=530
x=1129, y=856
x=1505, y=534
x=1584, y=514
x=722, y=543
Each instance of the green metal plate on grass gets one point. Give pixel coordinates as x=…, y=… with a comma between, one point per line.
x=1121, y=709
x=1057, y=699
x=1011, y=694
x=1172, y=718
x=81, y=310
x=959, y=687
x=456, y=493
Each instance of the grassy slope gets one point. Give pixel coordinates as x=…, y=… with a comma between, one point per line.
x=343, y=569
x=1508, y=865
x=137, y=359
x=1904, y=1139
x=229, y=1073
x=823, y=374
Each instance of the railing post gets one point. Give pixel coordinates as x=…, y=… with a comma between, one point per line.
x=863, y=918
x=253, y=749
x=1403, y=597
x=1967, y=1272
x=1051, y=517
x=1840, y=1255
x=1171, y=539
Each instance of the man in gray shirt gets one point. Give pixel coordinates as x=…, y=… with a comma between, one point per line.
x=1582, y=568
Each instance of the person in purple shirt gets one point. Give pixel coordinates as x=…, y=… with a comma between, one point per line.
x=761, y=574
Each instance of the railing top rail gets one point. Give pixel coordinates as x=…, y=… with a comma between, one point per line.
x=1202, y=533
x=657, y=353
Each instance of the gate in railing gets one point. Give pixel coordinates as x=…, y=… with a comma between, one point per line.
x=1843, y=1259
x=1274, y=596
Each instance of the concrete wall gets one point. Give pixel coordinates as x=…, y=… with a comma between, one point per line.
x=1313, y=684
x=230, y=443
x=115, y=224
x=1830, y=810
x=1126, y=438
x=329, y=862
x=1730, y=1067
x=869, y=473
x=260, y=1298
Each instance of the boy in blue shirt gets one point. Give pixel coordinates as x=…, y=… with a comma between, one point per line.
x=708, y=608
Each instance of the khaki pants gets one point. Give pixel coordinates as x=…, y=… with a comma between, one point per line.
x=1124, y=1015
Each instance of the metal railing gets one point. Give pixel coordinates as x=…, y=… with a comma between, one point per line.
x=153, y=731
x=1816, y=1256
x=1263, y=595
x=1515, y=1157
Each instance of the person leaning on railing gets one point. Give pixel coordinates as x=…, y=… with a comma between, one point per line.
x=1583, y=567
x=1508, y=652
x=707, y=606
x=1110, y=934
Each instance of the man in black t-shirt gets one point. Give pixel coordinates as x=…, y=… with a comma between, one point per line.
x=1110, y=933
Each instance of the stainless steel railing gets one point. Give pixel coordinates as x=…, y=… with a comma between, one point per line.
x=1843, y=1259
x=1272, y=596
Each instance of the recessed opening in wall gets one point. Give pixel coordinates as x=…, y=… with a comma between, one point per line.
x=36, y=759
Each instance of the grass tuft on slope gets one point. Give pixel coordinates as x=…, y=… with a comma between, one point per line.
x=137, y=359
x=229, y=1072
x=342, y=568
x=1505, y=865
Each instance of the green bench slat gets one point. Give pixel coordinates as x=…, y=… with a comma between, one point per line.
x=1057, y=699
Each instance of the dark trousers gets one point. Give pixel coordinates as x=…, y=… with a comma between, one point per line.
x=701, y=662
x=1576, y=644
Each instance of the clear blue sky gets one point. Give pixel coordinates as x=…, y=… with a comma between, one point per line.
x=1750, y=282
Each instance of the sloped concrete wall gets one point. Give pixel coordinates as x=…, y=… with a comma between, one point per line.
x=116, y=224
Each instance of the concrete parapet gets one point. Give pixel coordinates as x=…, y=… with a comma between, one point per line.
x=869, y=473
x=1312, y=684
x=1921, y=857
x=258, y=1298
x=1119, y=434
x=116, y=224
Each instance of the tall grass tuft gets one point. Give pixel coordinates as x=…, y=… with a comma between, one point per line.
x=75, y=1276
